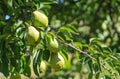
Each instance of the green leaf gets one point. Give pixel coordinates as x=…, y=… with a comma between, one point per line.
x=66, y=35
x=90, y=76
x=42, y=35
x=98, y=75
x=25, y=59
x=37, y=56
x=106, y=50
x=95, y=67
x=48, y=2
x=90, y=63
x=78, y=45
x=46, y=55
x=9, y=2
x=13, y=62
x=108, y=77
x=65, y=54
x=69, y=28
x=35, y=69
x=27, y=70
x=94, y=40
x=99, y=63
x=107, y=69
x=4, y=67
x=36, y=60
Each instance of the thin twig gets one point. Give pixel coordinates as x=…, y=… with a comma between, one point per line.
x=80, y=51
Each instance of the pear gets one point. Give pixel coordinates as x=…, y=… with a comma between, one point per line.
x=39, y=19
x=57, y=62
x=33, y=35
x=53, y=45
x=42, y=67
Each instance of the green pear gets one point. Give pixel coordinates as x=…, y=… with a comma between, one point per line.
x=42, y=67
x=57, y=62
x=33, y=35
x=53, y=45
x=40, y=19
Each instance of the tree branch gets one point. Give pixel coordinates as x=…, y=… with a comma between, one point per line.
x=75, y=48
x=80, y=51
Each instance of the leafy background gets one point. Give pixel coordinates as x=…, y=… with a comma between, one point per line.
x=89, y=32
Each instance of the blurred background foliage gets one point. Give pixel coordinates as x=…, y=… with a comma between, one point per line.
x=92, y=18
x=79, y=22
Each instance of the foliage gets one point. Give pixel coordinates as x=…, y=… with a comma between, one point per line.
x=87, y=32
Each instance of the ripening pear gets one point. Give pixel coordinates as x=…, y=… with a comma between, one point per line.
x=57, y=62
x=53, y=45
x=33, y=35
x=42, y=66
x=40, y=19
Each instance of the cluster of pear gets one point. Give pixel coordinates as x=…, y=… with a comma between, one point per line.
x=56, y=60
x=39, y=20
